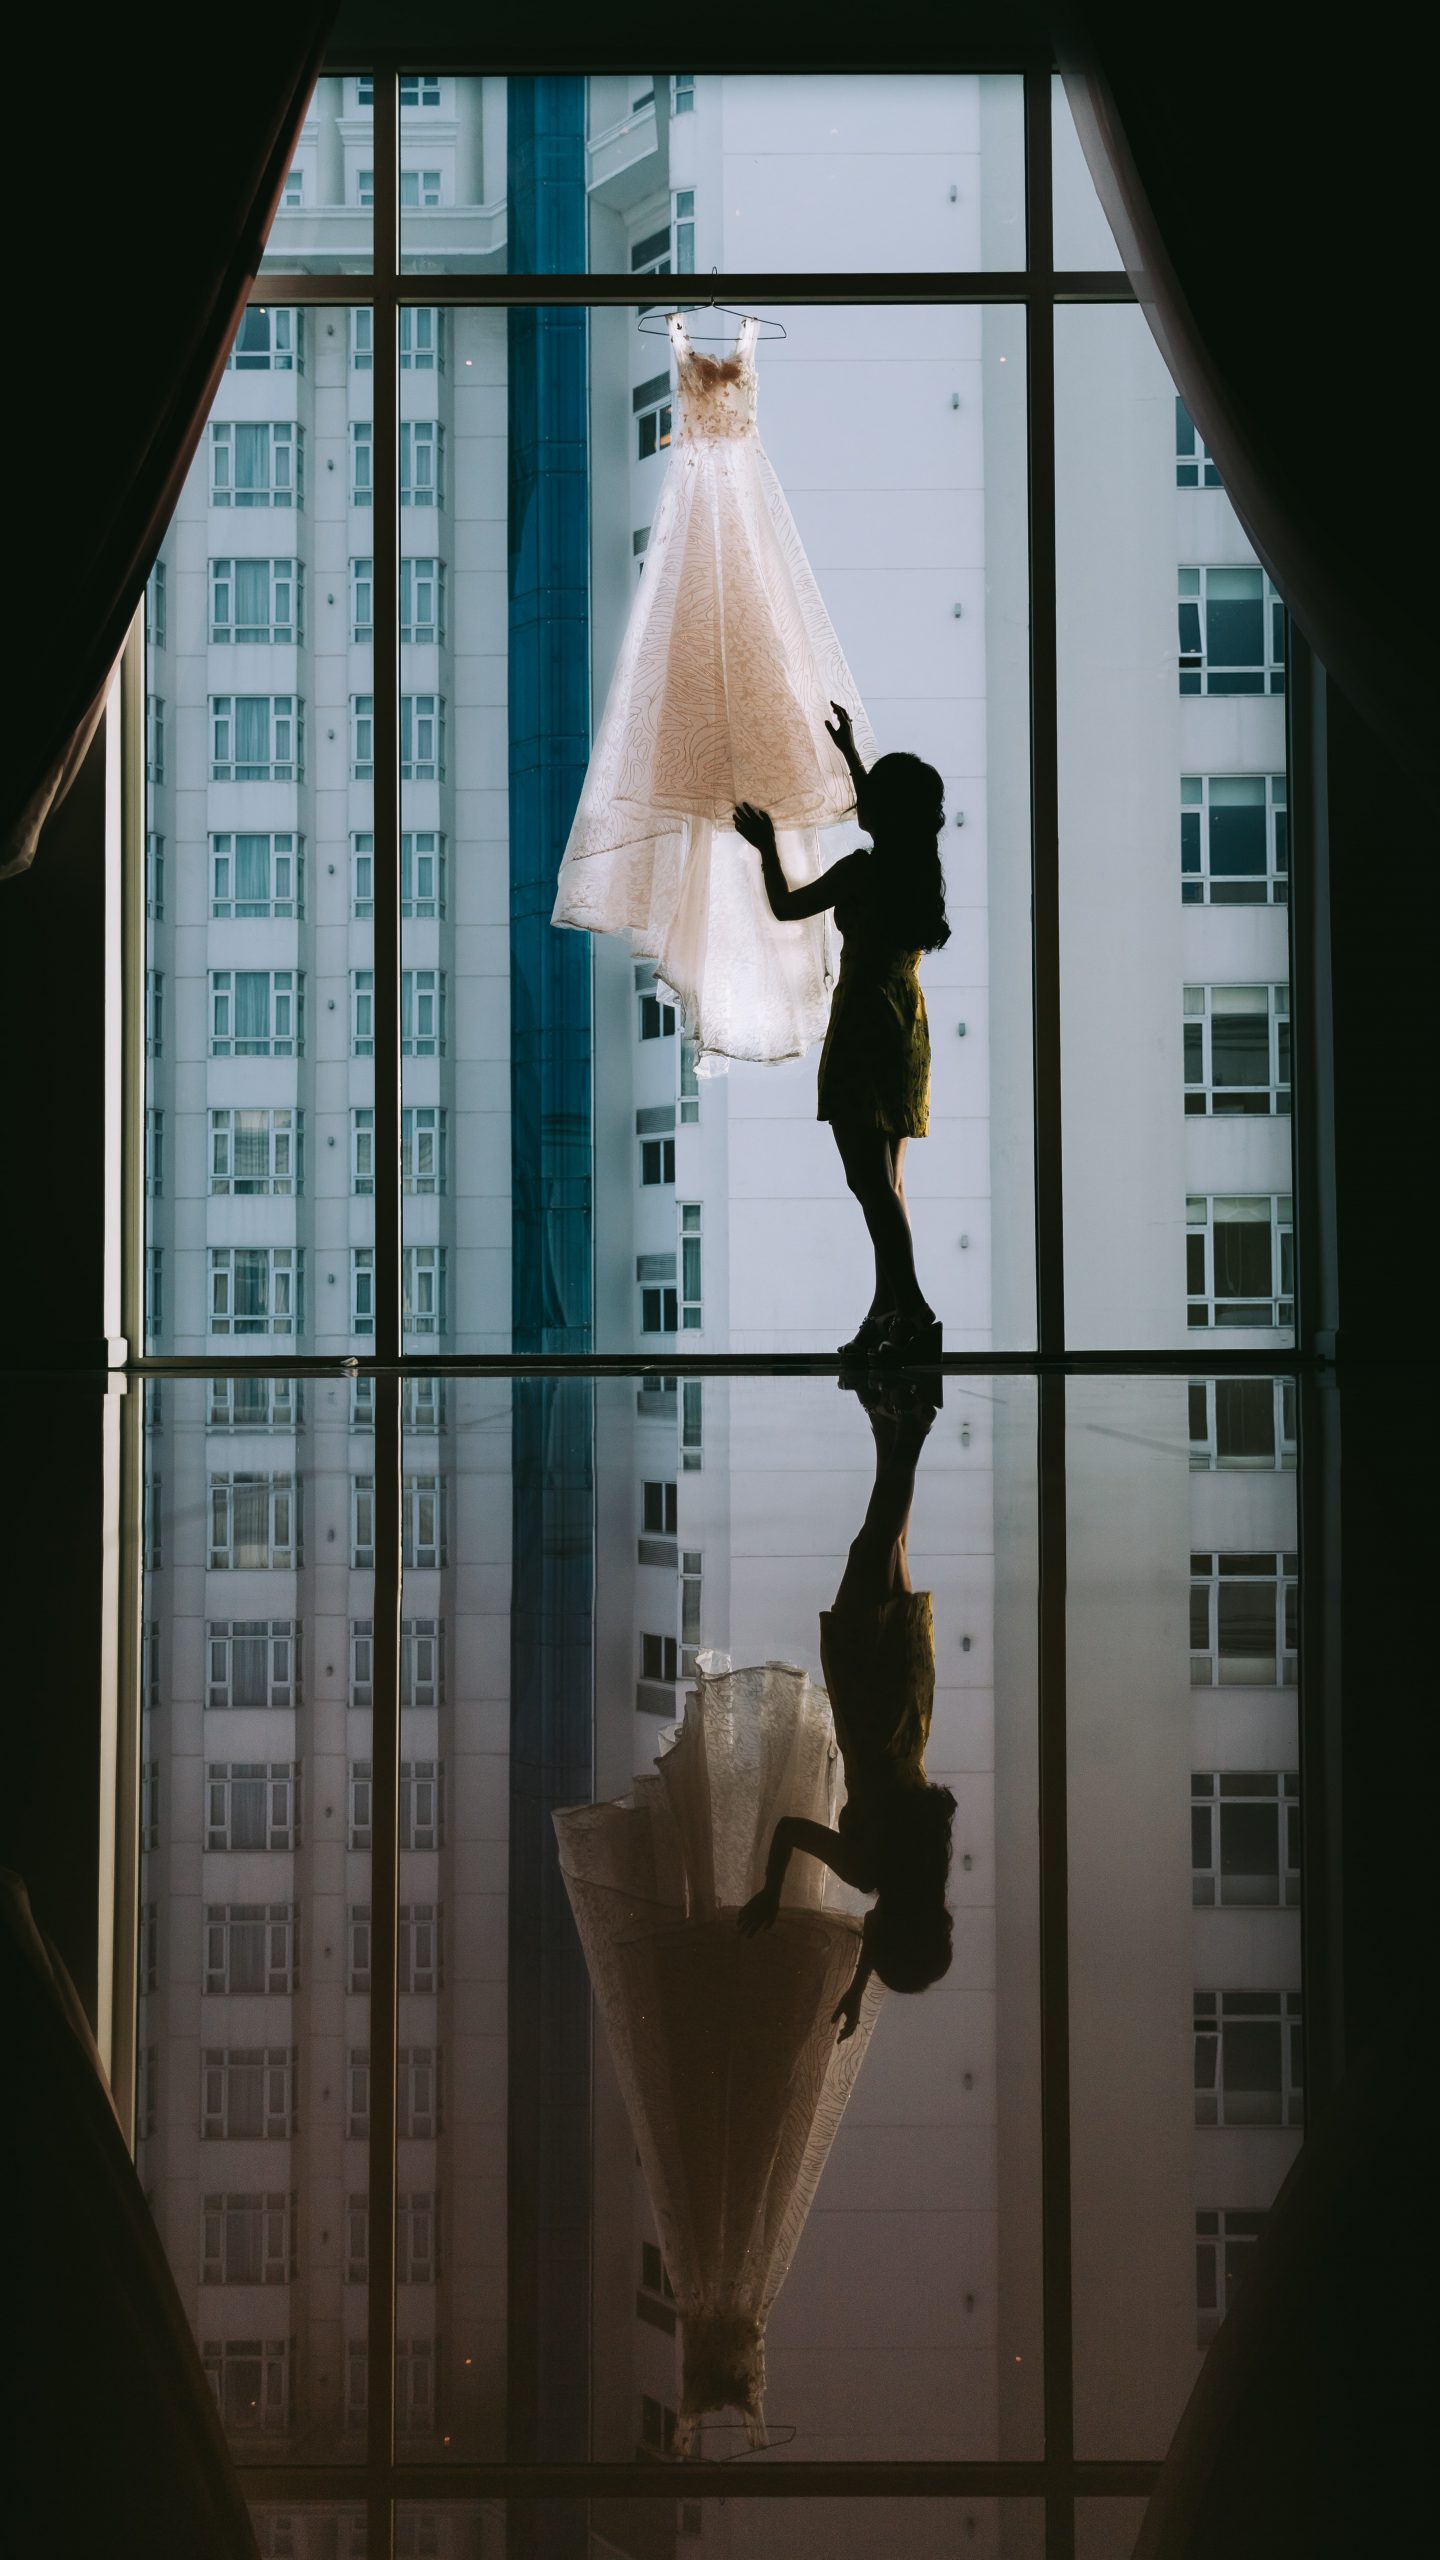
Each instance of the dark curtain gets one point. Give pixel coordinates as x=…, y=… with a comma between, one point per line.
x=144, y=161
x=1267, y=173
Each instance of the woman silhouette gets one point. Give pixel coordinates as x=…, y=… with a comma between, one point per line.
x=874, y=1084
x=877, y=1649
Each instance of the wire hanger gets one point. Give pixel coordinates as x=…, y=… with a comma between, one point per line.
x=654, y=323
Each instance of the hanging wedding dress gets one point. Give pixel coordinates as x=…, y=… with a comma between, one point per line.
x=724, y=683
x=724, y=2045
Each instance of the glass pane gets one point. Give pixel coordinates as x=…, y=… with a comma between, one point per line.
x=741, y=2528
x=676, y=174
x=1138, y=760
x=892, y=2225
x=325, y=223
x=582, y=1141
x=253, y=2038
x=1184, y=2094
x=1107, y=2528
x=1083, y=237
x=259, y=1030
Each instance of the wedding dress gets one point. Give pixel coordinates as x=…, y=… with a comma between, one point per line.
x=724, y=2045
x=724, y=682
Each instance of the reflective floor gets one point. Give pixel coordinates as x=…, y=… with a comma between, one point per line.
x=669, y=2190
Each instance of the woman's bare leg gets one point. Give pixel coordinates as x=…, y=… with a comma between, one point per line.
x=874, y=1171
x=884, y=1301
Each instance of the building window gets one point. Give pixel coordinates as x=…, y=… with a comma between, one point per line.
x=657, y=2426
x=422, y=1518
x=362, y=463
x=422, y=601
x=692, y=1425
x=1240, y=1259
x=149, y=1947
x=254, y=1523
x=154, y=877
x=253, y=876
x=422, y=1804
x=255, y=1404
x=362, y=1284
x=682, y=93
x=417, y=2238
x=1245, y=1837
x=1234, y=840
x=255, y=1152
x=257, y=600
x=155, y=1155
x=362, y=1151
x=1232, y=632
x=659, y=1297
x=419, y=190
x=248, y=2095
x=252, y=1946
x=654, y=1126
x=671, y=251
x=422, y=737
x=154, y=1013
x=422, y=1013
x=270, y=340
x=248, y=2239
x=149, y=1804
x=365, y=189
x=1194, y=468
x=659, y=1657
x=253, y=1662
x=657, y=1013
x=683, y=215
x=1224, y=2239
x=292, y=195
x=359, y=1972
x=422, y=1281
x=362, y=1012
x=256, y=737
x=422, y=873
x=417, y=89
x=154, y=1291
x=1242, y=1422
x=261, y=464
x=691, y=1304
x=362, y=877
x=362, y=741
x=689, y=1083
x=362, y=1521
x=362, y=339
x=252, y=1804
x=250, y=2378
x=257, y=1288
x=154, y=738
x=652, y=405
x=1237, y=1049
x=414, y=2386
x=422, y=463
x=422, y=1662
x=362, y=599
x=1249, y=2060
x=155, y=607
x=1244, y=1619
x=358, y=2096
x=690, y=1590
x=422, y=341
x=422, y=1149
x=257, y=1013
x=420, y=1966
x=417, y=2093
x=659, y=1508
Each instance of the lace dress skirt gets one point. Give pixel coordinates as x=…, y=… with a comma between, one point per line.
x=875, y=1064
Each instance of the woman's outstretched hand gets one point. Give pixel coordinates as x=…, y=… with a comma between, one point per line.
x=847, y=2016
x=841, y=730
x=759, y=1912
x=755, y=826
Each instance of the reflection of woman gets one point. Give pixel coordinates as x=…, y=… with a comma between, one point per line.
x=724, y=2046
x=877, y=1645
x=875, y=1066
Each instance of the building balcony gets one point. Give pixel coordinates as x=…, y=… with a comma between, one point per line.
x=625, y=163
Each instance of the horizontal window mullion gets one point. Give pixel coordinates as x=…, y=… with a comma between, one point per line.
x=542, y=292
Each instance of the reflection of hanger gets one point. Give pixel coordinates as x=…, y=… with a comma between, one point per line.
x=653, y=322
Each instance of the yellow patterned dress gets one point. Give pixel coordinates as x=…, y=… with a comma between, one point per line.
x=875, y=1065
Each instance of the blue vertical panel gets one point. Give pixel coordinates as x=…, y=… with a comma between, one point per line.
x=552, y=1430
x=549, y=601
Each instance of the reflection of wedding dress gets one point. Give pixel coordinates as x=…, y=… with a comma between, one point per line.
x=725, y=678
x=723, y=2045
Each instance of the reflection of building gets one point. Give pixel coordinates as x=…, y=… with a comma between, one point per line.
x=718, y=1221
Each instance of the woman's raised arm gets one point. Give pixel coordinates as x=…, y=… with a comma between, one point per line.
x=786, y=904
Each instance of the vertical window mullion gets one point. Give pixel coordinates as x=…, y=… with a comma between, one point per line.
x=1044, y=739
x=385, y=1711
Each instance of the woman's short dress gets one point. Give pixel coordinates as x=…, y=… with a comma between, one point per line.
x=875, y=1065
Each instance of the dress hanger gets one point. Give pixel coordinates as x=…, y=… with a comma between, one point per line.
x=654, y=323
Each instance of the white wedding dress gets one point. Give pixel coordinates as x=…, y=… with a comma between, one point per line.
x=723, y=685
x=723, y=2045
